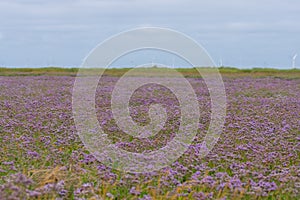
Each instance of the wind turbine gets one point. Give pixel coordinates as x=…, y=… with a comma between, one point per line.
x=221, y=62
x=173, y=64
x=294, y=61
x=152, y=61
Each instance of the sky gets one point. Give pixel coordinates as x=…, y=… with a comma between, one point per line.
x=238, y=33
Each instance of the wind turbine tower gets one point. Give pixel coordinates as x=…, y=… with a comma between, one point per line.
x=221, y=62
x=294, y=61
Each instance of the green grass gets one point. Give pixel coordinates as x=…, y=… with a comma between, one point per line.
x=187, y=72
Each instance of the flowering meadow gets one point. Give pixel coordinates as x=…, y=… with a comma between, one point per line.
x=256, y=157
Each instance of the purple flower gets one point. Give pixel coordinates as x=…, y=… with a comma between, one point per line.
x=33, y=154
x=133, y=191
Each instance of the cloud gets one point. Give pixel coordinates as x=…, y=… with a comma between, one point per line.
x=225, y=27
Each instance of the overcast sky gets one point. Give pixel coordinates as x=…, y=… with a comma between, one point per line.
x=243, y=33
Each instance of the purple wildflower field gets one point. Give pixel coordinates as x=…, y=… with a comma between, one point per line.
x=256, y=157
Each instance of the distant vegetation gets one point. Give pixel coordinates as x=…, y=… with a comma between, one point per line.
x=188, y=72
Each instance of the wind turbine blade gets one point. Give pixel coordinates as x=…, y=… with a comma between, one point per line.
x=295, y=56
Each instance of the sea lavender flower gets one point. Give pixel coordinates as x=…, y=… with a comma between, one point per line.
x=267, y=186
x=145, y=197
x=33, y=154
x=133, y=191
x=208, y=180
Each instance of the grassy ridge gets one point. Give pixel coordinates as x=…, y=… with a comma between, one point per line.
x=187, y=72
